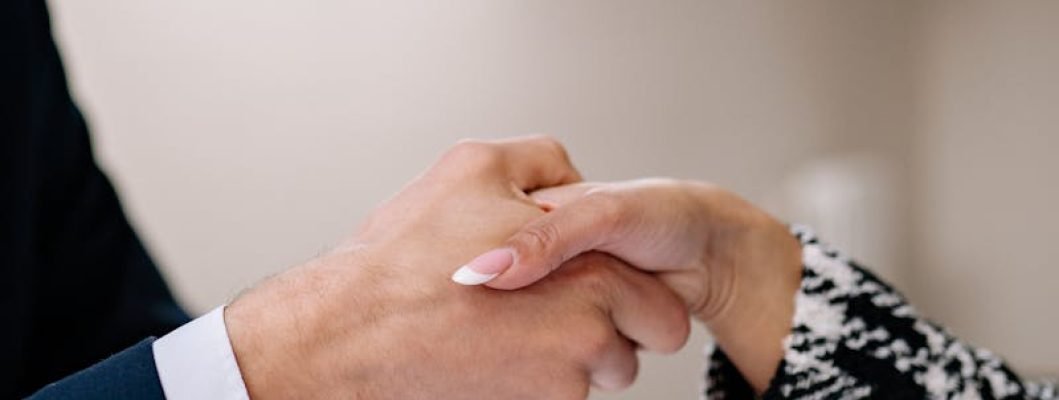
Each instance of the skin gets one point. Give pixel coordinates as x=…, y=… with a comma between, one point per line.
x=736, y=268
x=378, y=318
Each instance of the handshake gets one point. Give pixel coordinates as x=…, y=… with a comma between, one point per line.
x=499, y=274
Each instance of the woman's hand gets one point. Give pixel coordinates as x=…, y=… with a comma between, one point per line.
x=735, y=267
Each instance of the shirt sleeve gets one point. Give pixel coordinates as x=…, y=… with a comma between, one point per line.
x=854, y=337
x=196, y=361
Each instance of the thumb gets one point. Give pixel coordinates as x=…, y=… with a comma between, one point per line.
x=585, y=223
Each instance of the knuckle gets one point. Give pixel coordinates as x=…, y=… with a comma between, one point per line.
x=595, y=341
x=608, y=206
x=555, y=147
x=469, y=143
x=538, y=237
x=474, y=153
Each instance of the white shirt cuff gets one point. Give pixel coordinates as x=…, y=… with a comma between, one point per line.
x=196, y=361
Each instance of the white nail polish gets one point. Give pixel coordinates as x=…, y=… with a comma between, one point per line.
x=467, y=276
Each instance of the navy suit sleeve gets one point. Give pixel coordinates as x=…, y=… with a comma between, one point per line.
x=129, y=374
x=78, y=285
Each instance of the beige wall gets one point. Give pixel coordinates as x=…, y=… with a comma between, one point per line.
x=246, y=136
x=986, y=184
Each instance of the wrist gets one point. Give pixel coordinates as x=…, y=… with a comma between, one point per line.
x=283, y=332
x=264, y=340
x=760, y=309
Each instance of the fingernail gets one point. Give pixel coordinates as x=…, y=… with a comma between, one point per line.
x=485, y=267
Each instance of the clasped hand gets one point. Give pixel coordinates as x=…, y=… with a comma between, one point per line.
x=601, y=271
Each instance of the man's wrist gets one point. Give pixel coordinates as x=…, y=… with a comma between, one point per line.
x=284, y=331
x=267, y=330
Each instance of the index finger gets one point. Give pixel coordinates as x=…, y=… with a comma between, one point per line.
x=535, y=162
x=526, y=163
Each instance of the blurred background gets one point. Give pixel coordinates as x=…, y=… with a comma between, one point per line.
x=246, y=136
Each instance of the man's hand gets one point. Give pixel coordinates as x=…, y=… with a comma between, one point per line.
x=378, y=318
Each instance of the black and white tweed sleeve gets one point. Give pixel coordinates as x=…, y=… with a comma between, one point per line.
x=855, y=337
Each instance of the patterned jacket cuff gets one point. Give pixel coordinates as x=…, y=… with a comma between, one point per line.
x=854, y=337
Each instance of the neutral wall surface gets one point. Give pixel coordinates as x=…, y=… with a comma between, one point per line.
x=987, y=188
x=246, y=136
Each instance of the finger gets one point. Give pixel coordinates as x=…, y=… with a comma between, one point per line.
x=645, y=310
x=646, y=223
x=642, y=308
x=554, y=197
x=543, y=244
x=616, y=367
x=534, y=162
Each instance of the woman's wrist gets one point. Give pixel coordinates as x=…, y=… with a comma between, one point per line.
x=760, y=307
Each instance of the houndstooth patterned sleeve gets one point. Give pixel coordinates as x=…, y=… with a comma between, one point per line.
x=855, y=337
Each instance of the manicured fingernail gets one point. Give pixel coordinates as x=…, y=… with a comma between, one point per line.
x=485, y=267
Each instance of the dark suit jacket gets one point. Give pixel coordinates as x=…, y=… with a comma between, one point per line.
x=76, y=285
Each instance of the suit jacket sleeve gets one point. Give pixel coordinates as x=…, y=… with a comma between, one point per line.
x=129, y=374
x=78, y=284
